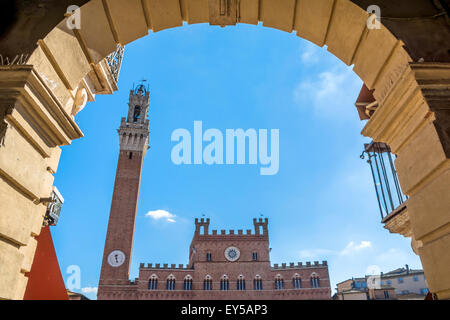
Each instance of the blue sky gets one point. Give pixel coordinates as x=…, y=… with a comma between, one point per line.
x=321, y=205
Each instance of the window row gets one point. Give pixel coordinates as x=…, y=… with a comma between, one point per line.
x=240, y=283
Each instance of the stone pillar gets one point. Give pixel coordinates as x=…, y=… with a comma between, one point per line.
x=414, y=119
x=33, y=125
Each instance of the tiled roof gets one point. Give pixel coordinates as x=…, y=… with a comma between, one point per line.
x=402, y=271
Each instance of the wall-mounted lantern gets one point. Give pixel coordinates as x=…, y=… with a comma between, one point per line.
x=54, y=205
x=387, y=187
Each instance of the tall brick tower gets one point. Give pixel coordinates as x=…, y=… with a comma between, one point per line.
x=133, y=137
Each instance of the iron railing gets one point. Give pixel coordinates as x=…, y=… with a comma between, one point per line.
x=387, y=187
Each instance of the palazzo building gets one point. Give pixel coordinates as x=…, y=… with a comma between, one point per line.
x=227, y=265
x=50, y=68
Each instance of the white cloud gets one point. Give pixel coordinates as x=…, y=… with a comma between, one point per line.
x=161, y=214
x=353, y=247
x=329, y=91
x=350, y=249
x=89, y=290
x=310, y=54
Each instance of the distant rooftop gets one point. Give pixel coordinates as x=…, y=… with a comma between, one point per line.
x=394, y=273
x=402, y=271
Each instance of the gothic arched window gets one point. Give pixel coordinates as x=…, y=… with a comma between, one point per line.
x=207, y=283
x=315, y=280
x=187, y=285
x=296, y=281
x=153, y=282
x=279, y=283
x=170, y=284
x=224, y=283
x=257, y=283
x=240, y=283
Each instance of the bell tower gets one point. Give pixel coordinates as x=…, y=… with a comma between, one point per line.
x=133, y=138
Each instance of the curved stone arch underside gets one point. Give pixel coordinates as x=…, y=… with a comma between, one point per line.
x=64, y=57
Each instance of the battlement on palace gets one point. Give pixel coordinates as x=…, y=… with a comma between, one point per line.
x=299, y=265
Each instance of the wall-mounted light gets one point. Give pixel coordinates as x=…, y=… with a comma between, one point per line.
x=54, y=205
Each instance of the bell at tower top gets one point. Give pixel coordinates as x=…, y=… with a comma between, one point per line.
x=139, y=104
x=141, y=89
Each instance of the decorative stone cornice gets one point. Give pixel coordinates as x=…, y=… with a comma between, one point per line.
x=223, y=12
x=21, y=86
x=419, y=90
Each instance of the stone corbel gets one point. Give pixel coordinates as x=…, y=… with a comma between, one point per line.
x=81, y=98
x=416, y=245
x=398, y=221
x=5, y=109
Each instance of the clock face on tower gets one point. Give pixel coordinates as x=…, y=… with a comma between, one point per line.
x=232, y=254
x=116, y=258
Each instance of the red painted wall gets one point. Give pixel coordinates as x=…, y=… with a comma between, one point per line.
x=45, y=281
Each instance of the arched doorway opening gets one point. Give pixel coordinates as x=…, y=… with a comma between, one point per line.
x=55, y=83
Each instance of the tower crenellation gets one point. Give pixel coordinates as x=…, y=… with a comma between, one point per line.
x=202, y=226
x=202, y=229
x=261, y=226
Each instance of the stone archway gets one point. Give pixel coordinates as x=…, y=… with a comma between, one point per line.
x=41, y=96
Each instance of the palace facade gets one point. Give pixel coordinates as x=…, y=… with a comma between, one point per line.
x=226, y=266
